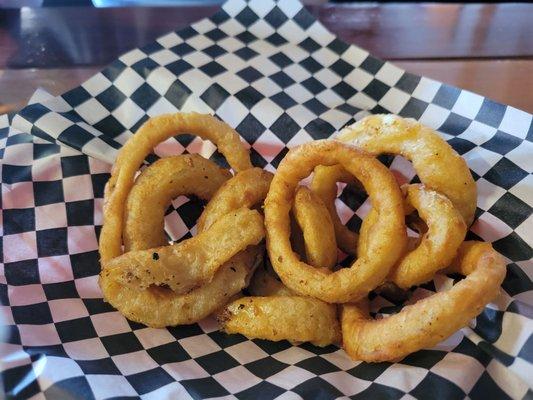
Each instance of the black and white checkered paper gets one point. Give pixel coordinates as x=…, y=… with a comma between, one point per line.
x=281, y=79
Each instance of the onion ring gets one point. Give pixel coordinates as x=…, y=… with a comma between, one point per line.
x=157, y=185
x=135, y=150
x=265, y=282
x=299, y=319
x=158, y=307
x=315, y=223
x=388, y=237
x=431, y=320
x=193, y=262
x=324, y=184
x=436, y=247
x=434, y=160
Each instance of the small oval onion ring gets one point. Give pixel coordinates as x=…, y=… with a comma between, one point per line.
x=386, y=244
x=437, y=247
x=299, y=319
x=264, y=281
x=135, y=150
x=431, y=320
x=157, y=185
x=434, y=160
x=315, y=223
x=324, y=184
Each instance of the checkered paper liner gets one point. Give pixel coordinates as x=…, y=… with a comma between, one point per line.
x=281, y=79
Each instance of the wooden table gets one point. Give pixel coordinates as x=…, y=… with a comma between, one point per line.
x=484, y=48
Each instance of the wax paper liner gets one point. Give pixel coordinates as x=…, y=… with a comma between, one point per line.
x=280, y=78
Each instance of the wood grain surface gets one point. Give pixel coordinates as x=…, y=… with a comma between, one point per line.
x=483, y=48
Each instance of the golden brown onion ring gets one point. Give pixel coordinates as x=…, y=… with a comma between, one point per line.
x=436, y=247
x=135, y=150
x=315, y=223
x=386, y=243
x=324, y=184
x=431, y=320
x=437, y=164
x=155, y=188
x=158, y=307
x=299, y=319
x=192, y=262
x=264, y=284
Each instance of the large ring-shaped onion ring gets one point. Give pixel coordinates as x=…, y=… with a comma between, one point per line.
x=431, y=320
x=437, y=164
x=386, y=243
x=436, y=248
x=324, y=184
x=135, y=150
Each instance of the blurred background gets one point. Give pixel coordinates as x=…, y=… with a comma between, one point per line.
x=162, y=3
x=480, y=46
x=130, y=3
x=113, y=3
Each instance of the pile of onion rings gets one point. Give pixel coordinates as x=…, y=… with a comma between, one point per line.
x=159, y=284
x=295, y=289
